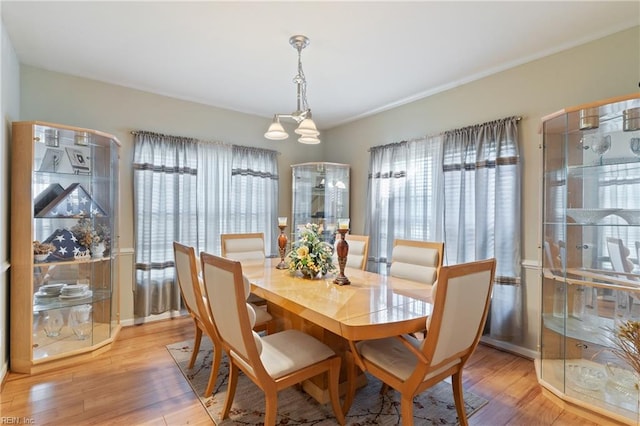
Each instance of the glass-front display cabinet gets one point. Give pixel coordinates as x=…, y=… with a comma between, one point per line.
x=320, y=195
x=590, y=257
x=64, y=244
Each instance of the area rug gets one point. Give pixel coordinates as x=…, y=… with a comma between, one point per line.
x=433, y=407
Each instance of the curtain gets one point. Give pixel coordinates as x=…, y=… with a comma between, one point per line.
x=404, y=196
x=165, y=209
x=253, y=199
x=192, y=191
x=481, y=167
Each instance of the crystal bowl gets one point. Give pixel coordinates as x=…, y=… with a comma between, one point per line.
x=589, y=216
x=632, y=216
x=586, y=377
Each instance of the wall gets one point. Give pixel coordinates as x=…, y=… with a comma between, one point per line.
x=601, y=69
x=9, y=111
x=597, y=70
x=65, y=99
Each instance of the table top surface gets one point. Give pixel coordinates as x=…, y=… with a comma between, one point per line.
x=372, y=306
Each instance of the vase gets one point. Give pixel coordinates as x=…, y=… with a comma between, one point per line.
x=310, y=275
x=96, y=250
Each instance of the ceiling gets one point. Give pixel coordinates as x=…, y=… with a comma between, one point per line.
x=364, y=57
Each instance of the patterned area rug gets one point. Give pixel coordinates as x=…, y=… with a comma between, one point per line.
x=433, y=407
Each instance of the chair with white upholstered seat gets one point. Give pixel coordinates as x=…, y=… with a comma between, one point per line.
x=243, y=247
x=246, y=248
x=273, y=362
x=417, y=260
x=461, y=301
x=192, y=291
x=358, y=250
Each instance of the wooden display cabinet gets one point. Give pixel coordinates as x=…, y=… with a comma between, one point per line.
x=64, y=193
x=590, y=256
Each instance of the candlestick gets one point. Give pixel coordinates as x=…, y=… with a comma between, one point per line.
x=282, y=242
x=342, y=248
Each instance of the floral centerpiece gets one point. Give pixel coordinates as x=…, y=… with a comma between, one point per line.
x=309, y=254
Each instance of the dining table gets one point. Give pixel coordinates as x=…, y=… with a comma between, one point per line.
x=372, y=306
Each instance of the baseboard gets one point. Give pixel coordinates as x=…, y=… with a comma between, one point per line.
x=510, y=347
x=151, y=318
x=3, y=375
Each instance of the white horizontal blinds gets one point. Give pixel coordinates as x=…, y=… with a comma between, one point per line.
x=404, y=195
x=192, y=191
x=253, y=198
x=482, y=211
x=165, y=209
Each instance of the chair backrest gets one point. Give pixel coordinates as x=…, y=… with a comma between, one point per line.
x=190, y=285
x=243, y=247
x=358, y=250
x=227, y=291
x=417, y=260
x=618, y=254
x=461, y=302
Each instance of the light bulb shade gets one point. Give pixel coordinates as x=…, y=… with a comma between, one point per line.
x=307, y=128
x=276, y=132
x=309, y=140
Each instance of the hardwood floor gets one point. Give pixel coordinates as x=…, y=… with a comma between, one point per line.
x=138, y=383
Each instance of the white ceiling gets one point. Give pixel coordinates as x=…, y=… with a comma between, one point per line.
x=364, y=57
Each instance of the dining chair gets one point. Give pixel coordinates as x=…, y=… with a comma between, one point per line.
x=243, y=247
x=246, y=248
x=273, y=362
x=618, y=254
x=358, y=250
x=460, y=305
x=192, y=291
x=416, y=260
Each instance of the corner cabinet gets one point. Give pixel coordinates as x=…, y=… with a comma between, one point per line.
x=590, y=256
x=320, y=195
x=64, y=244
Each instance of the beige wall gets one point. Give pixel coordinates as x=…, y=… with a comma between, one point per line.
x=597, y=70
x=9, y=110
x=601, y=69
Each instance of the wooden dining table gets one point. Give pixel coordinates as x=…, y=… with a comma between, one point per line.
x=373, y=306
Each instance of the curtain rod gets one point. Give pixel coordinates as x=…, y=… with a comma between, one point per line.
x=146, y=132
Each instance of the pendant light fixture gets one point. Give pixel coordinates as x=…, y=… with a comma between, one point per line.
x=302, y=115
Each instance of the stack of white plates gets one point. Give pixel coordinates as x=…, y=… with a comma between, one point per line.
x=72, y=291
x=50, y=290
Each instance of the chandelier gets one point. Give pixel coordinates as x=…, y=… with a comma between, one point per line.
x=302, y=115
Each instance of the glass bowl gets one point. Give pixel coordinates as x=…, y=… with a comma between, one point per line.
x=589, y=216
x=586, y=377
x=632, y=216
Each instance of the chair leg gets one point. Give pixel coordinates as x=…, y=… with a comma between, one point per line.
x=271, y=408
x=334, y=378
x=217, y=358
x=456, y=382
x=384, y=388
x=196, y=345
x=231, y=389
x=406, y=410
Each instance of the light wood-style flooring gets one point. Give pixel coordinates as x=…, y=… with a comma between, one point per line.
x=138, y=383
